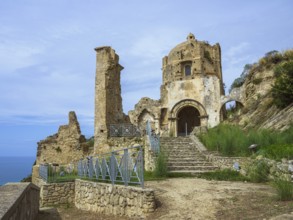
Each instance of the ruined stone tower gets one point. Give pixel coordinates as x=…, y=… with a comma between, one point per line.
x=191, y=90
x=108, y=101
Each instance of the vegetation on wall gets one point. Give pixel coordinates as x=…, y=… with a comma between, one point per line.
x=231, y=140
x=207, y=55
x=282, y=90
x=240, y=80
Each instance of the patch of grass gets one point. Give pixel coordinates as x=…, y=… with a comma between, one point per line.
x=277, y=151
x=259, y=171
x=149, y=176
x=284, y=189
x=223, y=175
x=180, y=175
x=161, y=165
x=231, y=140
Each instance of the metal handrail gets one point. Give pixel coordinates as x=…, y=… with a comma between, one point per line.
x=124, y=130
x=153, y=138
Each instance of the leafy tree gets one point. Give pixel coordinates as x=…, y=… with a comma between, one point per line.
x=282, y=90
x=240, y=80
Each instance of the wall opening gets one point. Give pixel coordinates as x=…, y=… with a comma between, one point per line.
x=187, y=118
x=231, y=110
x=187, y=70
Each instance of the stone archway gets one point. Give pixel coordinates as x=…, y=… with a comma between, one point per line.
x=198, y=112
x=188, y=118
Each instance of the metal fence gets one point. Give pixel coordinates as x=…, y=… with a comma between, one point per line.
x=117, y=167
x=153, y=138
x=58, y=172
x=122, y=166
x=124, y=130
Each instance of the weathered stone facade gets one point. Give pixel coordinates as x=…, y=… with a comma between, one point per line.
x=190, y=93
x=65, y=146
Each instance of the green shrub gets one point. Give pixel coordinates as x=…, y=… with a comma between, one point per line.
x=161, y=165
x=259, y=171
x=228, y=139
x=282, y=89
x=277, y=151
x=231, y=140
x=257, y=81
x=223, y=175
x=284, y=189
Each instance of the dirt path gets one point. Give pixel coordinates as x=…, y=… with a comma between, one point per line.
x=192, y=199
x=202, y=199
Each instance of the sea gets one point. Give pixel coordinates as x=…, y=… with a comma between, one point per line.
x=14, y=169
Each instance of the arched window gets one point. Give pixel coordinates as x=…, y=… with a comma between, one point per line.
x=187, y=70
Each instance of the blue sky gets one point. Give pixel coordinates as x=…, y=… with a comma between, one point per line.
x=47, y=61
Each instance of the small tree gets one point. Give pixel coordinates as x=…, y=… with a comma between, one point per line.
x=282, y=90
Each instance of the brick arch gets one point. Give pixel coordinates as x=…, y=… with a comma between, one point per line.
x=188, y=102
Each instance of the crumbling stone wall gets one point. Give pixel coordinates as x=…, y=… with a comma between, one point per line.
x=65, y=146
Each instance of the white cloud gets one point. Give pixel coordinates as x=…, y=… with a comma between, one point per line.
x=17, y=54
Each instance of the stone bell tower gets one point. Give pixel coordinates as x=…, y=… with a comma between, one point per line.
x=108, y=101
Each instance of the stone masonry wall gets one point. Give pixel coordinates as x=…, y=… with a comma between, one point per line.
x=114, y=200
x=57, y=194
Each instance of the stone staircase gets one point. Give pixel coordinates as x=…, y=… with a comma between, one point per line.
x=183, y=156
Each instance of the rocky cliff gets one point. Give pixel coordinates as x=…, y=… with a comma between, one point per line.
x=259, y=109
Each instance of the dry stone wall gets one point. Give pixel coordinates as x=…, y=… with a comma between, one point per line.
x=114, y=200
x=57, y=194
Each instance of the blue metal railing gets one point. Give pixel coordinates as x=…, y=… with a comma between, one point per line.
x=153, y=138
x=124, y=166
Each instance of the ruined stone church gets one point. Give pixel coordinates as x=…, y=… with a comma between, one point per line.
x=192, y=92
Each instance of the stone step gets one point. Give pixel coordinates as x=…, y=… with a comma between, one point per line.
x=193, y=163
x=185, y=156
x=173, y=168
x=187, y=159
x=192, y=172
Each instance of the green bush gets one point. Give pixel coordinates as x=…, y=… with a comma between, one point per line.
x=277, y=151
x=161, y=165
x=231, y=140
x=223, y=175
x=282, y=89
x=259, y=171
x=284, y=189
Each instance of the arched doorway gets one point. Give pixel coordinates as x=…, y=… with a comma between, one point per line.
x=187, y=119
x=231, y=110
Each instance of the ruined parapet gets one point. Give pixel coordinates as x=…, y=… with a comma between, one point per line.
x=65, y=146
x=108, y=101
